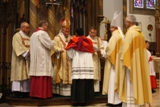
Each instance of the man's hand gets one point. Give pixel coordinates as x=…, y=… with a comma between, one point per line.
x=62, y=51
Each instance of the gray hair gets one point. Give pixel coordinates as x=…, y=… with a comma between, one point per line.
x=23, y=24
x=131, y=18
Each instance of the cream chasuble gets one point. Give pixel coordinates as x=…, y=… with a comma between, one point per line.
x=134, y=57
x=19, y=65
x=113, y=68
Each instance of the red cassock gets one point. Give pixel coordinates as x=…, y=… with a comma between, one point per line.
x=41, y=87
x=153, y=81
x=153, y=78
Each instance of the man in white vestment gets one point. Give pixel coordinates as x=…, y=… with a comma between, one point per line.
x=20, y=61
x=41, y=70
x=99, y=49
x=112, y=63
x=135, y=89
x=62, y=65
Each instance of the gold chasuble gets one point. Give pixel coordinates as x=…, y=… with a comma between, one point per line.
x=112, y=51
x=19, y=66
x=60, y=59
x=134, y=57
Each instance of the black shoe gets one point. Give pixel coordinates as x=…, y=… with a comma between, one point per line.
x=108, y=104
x=153, y=91
x=17, y=95
x=78, y=104
x=117, y=105
x=114, y=105
x=25, y=95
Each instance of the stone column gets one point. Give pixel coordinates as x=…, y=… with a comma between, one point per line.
x=51, y=21
x=157, y=26
x=33, y=16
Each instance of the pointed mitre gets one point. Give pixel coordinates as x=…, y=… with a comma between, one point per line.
x=65, y=22
x=117, y=19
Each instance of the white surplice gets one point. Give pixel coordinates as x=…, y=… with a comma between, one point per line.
x=113, y=97
x=130, y=98
x=21, y=86
x=61, y=89
x=40, y=63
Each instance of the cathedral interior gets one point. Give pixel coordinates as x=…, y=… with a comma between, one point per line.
x=82, y=13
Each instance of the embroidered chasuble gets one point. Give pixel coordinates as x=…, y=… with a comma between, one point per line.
x=19, y=65
x=134, y=58
x=112, y=59
x=60, y=59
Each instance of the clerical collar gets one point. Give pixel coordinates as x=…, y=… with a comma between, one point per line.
x=38, y=29
x=22, y=33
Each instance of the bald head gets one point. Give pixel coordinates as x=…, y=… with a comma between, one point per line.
x=25, y=27
x=24, y=24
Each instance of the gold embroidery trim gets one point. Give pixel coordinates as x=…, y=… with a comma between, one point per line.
x=23, y=41
x=67, y=61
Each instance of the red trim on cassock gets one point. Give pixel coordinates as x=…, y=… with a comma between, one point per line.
x=153, y=82
x=41, y=87
x=38, y=29
x=81, y=43
x=150, y=58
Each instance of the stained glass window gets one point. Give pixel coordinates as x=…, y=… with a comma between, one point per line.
x=146, y=7
x=138, y=3
x=150, y=4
